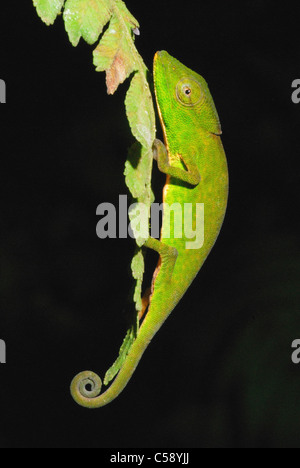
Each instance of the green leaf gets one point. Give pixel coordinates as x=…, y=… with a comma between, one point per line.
x=48, y=9
x=139, y=214
x=124, y=350
x=86, y=19
x=138, y=268
x=137, y=169
x=139, y=110
x=114, y=52
x=138, y=179
x=125, y=15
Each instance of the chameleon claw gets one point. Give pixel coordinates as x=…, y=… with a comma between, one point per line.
x=157, y=147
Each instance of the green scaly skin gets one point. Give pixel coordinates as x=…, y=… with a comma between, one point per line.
x=194, y=161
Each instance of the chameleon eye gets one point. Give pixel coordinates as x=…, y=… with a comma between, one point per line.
x=189, y=92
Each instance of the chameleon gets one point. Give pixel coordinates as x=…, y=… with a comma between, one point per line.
x=194, y=161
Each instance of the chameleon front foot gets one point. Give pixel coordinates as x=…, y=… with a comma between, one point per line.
x=86, y=386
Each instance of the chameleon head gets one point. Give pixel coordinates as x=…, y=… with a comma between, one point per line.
x=181, y=91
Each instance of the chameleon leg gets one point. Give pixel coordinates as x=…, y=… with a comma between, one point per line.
x=168, y=257
x=160, y=153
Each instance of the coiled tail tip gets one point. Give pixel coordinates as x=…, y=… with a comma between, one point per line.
x=85, y=388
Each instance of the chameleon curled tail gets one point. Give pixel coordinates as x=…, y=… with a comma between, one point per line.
x=86, y=386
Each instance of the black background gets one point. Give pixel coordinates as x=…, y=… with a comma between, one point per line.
x=219, y=373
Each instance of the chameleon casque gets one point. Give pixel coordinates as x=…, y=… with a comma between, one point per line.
x=194, y=161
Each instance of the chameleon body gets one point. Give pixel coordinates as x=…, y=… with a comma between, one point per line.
x=193, y=158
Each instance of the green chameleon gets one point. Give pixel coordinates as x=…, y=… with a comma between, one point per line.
x=195, y=163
